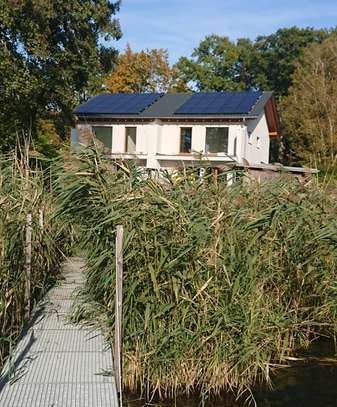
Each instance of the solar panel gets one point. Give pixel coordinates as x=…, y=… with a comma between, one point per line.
x=220, y=103
x=118, y=103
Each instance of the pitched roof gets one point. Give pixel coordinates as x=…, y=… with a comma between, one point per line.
x=166, y=105
x=175, y=105
x=118, y=103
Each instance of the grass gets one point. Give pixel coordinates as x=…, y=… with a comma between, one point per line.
x=23, y=190
x=221, y=284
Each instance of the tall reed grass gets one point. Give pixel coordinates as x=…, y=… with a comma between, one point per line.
x=23, y=190
x=221, y=284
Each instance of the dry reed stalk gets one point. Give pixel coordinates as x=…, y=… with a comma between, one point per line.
x=221, y=283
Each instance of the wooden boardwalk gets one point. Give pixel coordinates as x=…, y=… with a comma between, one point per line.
x=56, y=363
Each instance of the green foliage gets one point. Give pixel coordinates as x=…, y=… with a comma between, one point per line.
x=48, y=141
x=276, y=56
x=17, y=103
x=215, y=65
x=309, y=113
x=267, y=63
x=50, y=57
x=221, y=284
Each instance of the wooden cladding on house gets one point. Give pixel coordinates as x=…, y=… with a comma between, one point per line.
x=272, y=120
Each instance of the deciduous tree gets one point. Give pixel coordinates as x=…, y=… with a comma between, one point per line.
x=51, y=56
x=215, y=65
x=309, y=113
x=220, y=64
x=144, y=71
x=276, y=55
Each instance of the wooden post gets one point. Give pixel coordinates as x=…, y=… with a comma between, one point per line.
x=28, y=265
x=41, y=218
x=118, y=310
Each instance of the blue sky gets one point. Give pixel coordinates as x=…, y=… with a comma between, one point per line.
x=179, y=25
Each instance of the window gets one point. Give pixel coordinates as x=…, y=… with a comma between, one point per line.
x=130, y=139
x=249, y=137
x=258, y=142
x=235, y=147
x=216, y=140
x=185, y=139
x=104, y=135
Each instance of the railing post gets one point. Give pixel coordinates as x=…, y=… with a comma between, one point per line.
x=41, y=218
x=118, y=310
x=28, y=265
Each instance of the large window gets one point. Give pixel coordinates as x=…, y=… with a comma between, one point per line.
x=185, y=139
x=216, y=140
x=130, y=139
x=104, y=135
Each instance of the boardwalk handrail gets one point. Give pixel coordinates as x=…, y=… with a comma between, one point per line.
x=118, y=310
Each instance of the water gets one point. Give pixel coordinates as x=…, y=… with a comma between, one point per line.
x=224, y=401
x=309, y=383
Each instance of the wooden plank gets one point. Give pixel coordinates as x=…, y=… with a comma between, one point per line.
x=28, y=265
x=118, y=309
x=273, y=134
x=272, y=117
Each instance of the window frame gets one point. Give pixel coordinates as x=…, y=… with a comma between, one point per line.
x=180, y=140
x=235, y=146
x=250, y=137
x=93, y=126
x=258, y=142
x=126, y=140
x=227, y=134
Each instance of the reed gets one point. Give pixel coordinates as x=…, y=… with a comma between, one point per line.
x=221, y=284
x=22, y=191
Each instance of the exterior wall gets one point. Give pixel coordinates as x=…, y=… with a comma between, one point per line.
x=159, y=142
x=169, y=143
x=119, y=138
x=257, y=141
x=153, y=137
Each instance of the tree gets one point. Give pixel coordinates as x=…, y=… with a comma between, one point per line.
x=144, y=71
x=16, y=97
x=275, y=56
x=220, y=64
x=309, y=112
x=216, y=64
x=51, y=57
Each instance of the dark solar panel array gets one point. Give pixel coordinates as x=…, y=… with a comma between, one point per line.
x=219, y=103
x=118, y=103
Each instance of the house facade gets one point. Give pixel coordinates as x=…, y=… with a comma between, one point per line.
x=163, y=131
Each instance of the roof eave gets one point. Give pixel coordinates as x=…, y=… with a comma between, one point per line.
x=175, y=117
x=258, y=108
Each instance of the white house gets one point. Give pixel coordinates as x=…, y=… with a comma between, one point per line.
x=176, y=129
